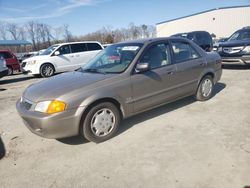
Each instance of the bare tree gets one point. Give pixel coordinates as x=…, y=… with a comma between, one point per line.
x=13, y=29
x=22, y=33
x=3, y=33
x=67, y=34
x=31, y=29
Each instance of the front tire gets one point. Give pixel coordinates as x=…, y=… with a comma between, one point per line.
x=101, y=122
x=205, y=89
x=47, y=70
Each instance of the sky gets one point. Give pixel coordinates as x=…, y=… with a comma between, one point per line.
x=86, y=16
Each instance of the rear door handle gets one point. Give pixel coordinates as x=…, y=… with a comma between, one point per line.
x=170, y=71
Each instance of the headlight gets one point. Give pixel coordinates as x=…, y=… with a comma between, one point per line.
x=50, y=107
x=32, y=62
x=247, y=49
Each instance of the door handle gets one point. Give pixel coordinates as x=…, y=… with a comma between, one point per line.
x=201, y=63
x=170, y=71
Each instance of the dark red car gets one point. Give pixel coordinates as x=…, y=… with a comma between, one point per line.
x=11, y=61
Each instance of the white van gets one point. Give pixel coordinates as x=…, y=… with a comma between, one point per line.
x=61, y=58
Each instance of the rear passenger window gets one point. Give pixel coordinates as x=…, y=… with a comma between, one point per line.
x=5, y=55
x=64, y=50
x=93, y=46
x=183, y=51
x=75, y=48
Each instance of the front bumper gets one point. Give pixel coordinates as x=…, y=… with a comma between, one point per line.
x=3, y=73
x=59, y=125
x=242, y=60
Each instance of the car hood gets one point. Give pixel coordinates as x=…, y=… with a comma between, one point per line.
x=235, y=43
x=54, y=87
x=37, y=58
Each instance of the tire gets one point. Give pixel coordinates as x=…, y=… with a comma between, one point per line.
x=47, y=70
x=205, y=88
x=10, y=71
x=101, y=122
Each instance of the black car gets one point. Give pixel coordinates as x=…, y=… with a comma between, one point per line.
x=202, y=38
x=236, y=49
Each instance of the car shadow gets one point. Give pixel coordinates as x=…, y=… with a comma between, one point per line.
x=74, y=140
x=14, y=80
x=144, y=116
x=236, y=67
x=218, y=88
x=2, y=149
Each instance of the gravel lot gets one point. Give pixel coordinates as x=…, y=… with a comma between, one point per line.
x=185, y=144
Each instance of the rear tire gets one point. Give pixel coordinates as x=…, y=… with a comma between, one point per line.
x=101, y=122
x=47, y=70
x=205, y=88
x=10, y=71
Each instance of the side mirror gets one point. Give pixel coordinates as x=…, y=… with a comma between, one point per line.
x=142, y=67
x=57, y=53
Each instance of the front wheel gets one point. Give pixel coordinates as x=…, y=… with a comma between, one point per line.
x=101, y=122
x=205, y=89
x=47, y=70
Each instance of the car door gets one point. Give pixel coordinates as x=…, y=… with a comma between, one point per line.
x=62, y=60
x=79, y=51
x=157, y=85
x=190, y=64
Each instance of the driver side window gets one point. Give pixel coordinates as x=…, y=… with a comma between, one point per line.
x=64, y=50
x=157, y=56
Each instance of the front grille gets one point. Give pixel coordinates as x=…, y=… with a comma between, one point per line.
x=23, y=64
x=26, y=104
x=232, y=50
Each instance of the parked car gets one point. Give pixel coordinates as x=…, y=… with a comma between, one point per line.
x=236, y=49
x=61, y=58
x=145, y=74
x=3, y=68
x=11, y=61
x=202, y=38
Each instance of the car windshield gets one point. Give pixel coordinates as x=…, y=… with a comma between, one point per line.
x=49, y=50
x=113, y=59
x=240, y=35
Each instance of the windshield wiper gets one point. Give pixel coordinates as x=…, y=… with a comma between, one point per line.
x=93, y=71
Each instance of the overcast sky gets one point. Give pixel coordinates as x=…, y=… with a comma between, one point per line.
x=84, y=16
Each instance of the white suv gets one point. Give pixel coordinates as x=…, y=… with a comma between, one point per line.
x=3, y=68
x=61, y=58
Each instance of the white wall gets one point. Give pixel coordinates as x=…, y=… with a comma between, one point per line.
x=221, y=22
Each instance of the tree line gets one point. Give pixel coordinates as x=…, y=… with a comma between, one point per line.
x=42, y=35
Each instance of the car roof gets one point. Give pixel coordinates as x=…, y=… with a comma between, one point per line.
x=65, y=43
x=4, y=51
x=150, y=40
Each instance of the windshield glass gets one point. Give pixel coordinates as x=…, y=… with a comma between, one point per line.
x=113, y=59
x=240, y=35
x=49, y=50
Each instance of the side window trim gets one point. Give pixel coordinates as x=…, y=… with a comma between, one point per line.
x=167, y=42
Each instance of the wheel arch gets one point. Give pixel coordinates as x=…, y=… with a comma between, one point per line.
x=207, y=73
x=45, y=64
x=98, y=101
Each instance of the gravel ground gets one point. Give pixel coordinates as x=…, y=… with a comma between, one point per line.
x=185, y=144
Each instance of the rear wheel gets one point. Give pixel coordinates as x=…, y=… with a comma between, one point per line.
x=101, y=122
x=47, y=70
x=205, y=89
x=10, y=71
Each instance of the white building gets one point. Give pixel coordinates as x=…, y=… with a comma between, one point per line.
x=221, y=21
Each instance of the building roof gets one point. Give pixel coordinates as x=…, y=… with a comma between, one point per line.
x=202, y=13
x=13, y=42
